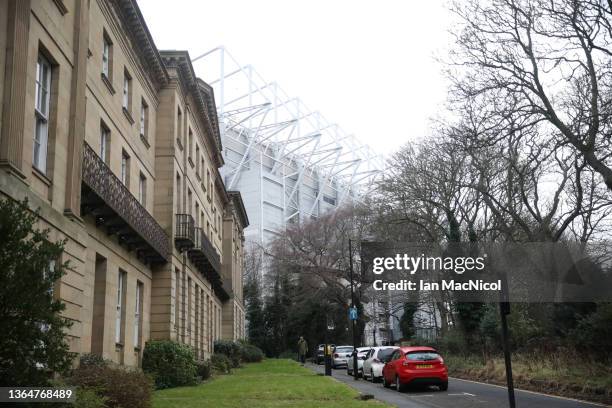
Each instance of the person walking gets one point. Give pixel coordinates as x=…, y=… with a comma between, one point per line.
x=302, y=349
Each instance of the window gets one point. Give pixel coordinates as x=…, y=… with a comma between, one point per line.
x=41, y=113
x=125, y=168
x=106, y=56
x=197, y=158
x=208, y=185
x=127, y=91
x=138, y=314
x=104, y=142
x=121, y=276
x=178, y=193
x=197, y=214
x=144, y=119
x=179, y=127
x=190, y=147
x=142, y=190
x=189, y=201
x=329, y=200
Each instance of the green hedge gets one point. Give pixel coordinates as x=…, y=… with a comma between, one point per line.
x=170, y=363
x=238, y=351
x=251, y=354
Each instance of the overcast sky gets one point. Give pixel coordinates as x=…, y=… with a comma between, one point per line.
x=368, y=66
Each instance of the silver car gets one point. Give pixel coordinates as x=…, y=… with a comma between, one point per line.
x=362, y=352
x=341, y=354
x=375, y=361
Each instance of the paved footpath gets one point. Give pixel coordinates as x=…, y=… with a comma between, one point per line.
x=460, y=394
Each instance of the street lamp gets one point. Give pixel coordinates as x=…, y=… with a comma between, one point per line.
x=353, y=314
x=329, y=325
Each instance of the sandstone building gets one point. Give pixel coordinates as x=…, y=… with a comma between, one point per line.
x=117, y=144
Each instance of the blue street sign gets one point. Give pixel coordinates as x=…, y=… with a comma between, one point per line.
x=353, y=313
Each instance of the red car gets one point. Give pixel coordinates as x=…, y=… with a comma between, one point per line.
x=415, y=365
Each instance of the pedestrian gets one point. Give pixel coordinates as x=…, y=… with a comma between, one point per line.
x=302, y=349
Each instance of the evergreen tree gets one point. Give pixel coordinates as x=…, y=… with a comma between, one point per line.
x=254, y=311
x=32, y=344
x=406, y=322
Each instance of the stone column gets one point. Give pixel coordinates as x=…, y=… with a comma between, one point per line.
x=15, y=82
x=76, y=126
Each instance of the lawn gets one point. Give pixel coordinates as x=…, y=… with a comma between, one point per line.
x=271, y=383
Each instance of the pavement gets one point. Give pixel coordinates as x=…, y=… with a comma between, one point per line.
x=460, y=394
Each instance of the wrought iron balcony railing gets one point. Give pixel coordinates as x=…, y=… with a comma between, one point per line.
x=204, y=256
x=184, y=237
x=114, y=206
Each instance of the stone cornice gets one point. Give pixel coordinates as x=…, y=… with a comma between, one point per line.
x=236, y=198
x=134, y=25
x=201, y=93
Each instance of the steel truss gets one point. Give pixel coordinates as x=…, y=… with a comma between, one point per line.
x=293, y=146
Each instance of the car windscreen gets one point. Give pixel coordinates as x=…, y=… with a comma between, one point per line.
x=422, y=355
x=384, y=354
x=344, y=349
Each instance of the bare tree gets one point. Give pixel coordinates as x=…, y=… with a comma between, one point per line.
x=539, y=61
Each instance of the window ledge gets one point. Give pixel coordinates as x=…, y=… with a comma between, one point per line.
x=180, y=145
x=145, y=141
x=61, y=7
x=199, y=177
x=190, y=162
x=108, y=83
x=41, y=176
x=128, y=115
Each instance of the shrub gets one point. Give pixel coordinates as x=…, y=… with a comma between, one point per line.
x=119, y=387
x=172, y=364
x=88, y=398
x=251, y=354
x=204, y=369
x=221, y=363
x=89, y=359
x=231, y=349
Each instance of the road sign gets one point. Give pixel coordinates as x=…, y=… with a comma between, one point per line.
x=353, y=313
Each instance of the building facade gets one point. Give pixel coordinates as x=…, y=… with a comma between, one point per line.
x=117, y=145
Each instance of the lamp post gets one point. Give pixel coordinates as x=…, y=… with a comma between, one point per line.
x=354, y=314
x=329, y=325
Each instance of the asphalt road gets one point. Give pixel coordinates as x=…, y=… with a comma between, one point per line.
x=460, y=394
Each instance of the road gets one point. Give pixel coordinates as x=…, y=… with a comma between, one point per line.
x=460, y=394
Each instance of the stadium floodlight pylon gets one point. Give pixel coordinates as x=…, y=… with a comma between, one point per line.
x=289, y=161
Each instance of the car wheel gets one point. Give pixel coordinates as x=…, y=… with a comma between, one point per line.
x=385, y=383
x=373, y=379
x=444, y=386
x=398, y=385
x=348, y=372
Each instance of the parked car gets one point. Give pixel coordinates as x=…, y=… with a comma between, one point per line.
x=415, y=365
x=320, y=353
x=361, y=354
x=375, y=361
x=341, y=354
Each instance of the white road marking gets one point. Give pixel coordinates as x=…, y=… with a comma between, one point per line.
x=595, y=404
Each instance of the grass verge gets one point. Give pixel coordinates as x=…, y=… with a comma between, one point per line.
x=552, y=374
x=271, y=383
